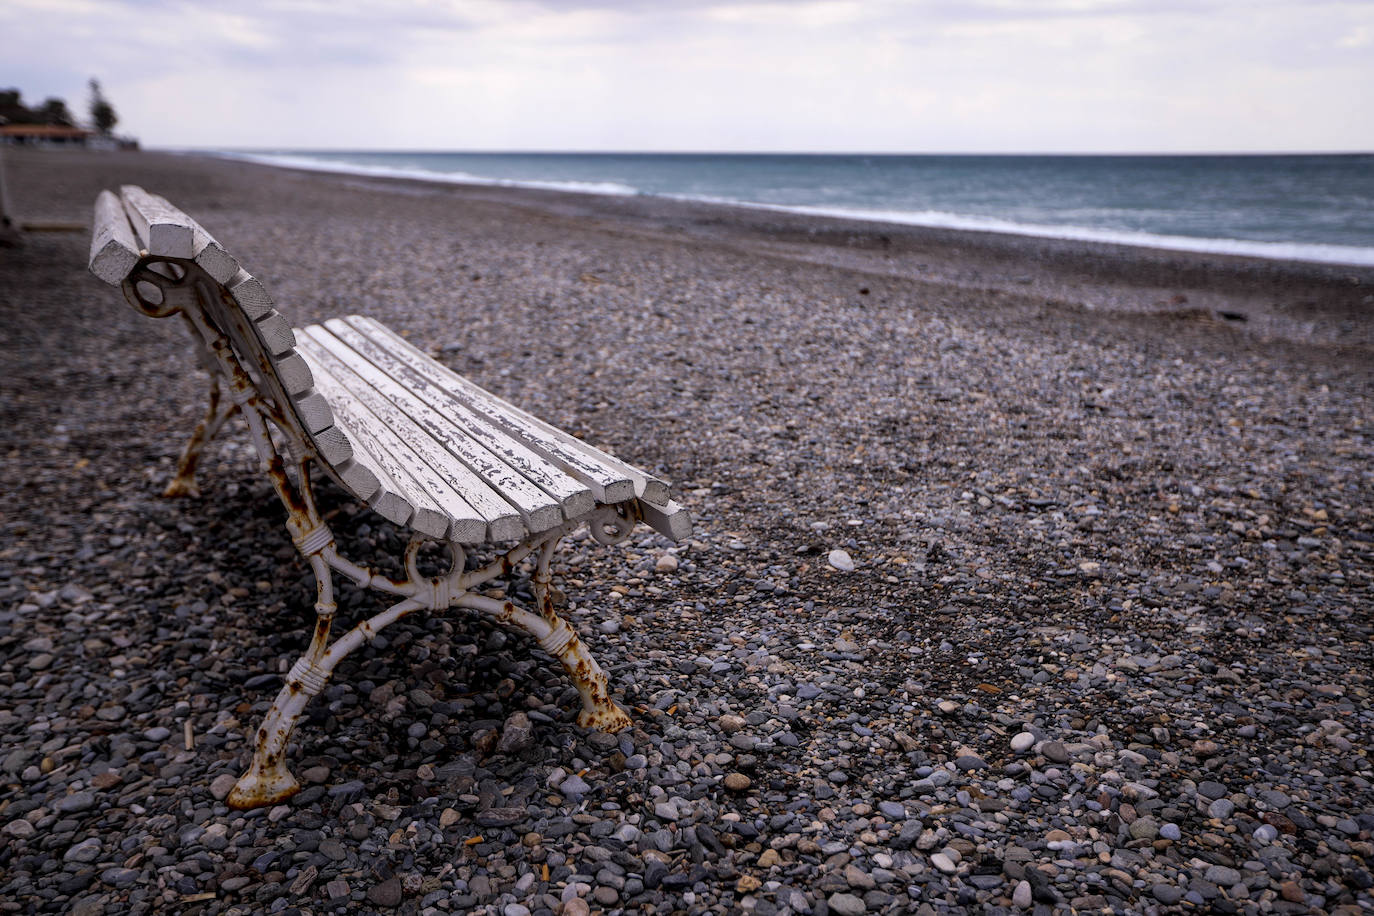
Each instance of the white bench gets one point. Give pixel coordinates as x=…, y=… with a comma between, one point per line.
x=417, y=443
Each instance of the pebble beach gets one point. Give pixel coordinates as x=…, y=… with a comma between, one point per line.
x=1028, y=576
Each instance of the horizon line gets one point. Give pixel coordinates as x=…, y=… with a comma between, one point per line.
x=756, y=152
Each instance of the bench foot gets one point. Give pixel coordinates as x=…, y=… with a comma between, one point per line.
x=262, y=785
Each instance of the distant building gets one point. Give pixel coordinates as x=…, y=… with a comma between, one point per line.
x=45, y=135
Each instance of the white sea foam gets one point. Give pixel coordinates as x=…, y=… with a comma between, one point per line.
x=307, y=163
x=1282, y=251
x=1285, y=251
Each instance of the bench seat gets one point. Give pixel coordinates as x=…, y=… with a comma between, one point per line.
x=433, y=450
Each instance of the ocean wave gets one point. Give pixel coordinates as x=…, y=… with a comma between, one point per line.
x=1284, y=251
x=934, y=219
x=307, y=163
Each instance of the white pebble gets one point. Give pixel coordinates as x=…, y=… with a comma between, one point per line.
x=944, y=863
x=841, y=560
x=1021, y=742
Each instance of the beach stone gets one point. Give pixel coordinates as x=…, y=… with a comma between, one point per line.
x=1221, y=809
x=1222, y=876
x=222, y=785
x=76, y=802
x=20, y=829
x=840, y=559
x=516, y=735
x=1167, y=894
x=386, y=893
x=736, y=782
x=88, y=850
x=1055, y=751
x=944, y=863
x=1021, y=895
x=1022, y=742
x=667, y=563
x=846, y=904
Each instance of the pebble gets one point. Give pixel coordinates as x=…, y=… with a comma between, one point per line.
x=88, y=850
x=1022, y=742
x=944, y=863
x=76, y=802
x=1055, y=751
x=1021, y=895
x=845, y=904
x=840, y=559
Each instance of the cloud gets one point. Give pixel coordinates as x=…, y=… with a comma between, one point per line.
x=873, y=75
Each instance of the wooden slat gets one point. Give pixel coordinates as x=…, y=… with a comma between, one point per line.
x=671, y=521
x=576, y=494
x=549, y=436
x=275, y=333
x=401, y=498
x=250, y=294
x=575, y=497
x=420, y=371
x=538, y=509
x=211, y=256
x=114, y=251
x=295, y=375
x=407, y=457
x=466, y=493
x=314, y=412
x=160, y=228
x=334, y=448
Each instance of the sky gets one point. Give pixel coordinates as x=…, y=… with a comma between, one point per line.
x=704, y=75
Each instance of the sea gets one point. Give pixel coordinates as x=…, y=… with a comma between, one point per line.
x=1316, y=208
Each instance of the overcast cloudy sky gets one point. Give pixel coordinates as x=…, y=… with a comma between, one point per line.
x=794, y=75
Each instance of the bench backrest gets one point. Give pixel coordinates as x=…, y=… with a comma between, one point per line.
x=166, y=263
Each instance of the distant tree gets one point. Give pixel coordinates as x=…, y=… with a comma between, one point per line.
x=13, y=110
x=54, y=111
x=102, y=112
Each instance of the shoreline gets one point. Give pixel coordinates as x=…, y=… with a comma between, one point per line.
x=1317, y=253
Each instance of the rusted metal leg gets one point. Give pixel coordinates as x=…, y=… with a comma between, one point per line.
x=268, y=779
x=557, y=638
x=599, y=711
x=184, y=484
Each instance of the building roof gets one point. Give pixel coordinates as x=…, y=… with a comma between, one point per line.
x=44, y=131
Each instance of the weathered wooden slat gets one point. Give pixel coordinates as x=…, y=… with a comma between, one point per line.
x=294, y=374
x=465, y=493
x=575, y=497
x=211, y=256
x=334, y=449
x=645, y=487
x=606, y=484
x=671, y=521
x=250, y=294
x=400, y=498
x=538, y=509
x=314, y=412
x=114, y=251
x=160, y=228
x=275, y=333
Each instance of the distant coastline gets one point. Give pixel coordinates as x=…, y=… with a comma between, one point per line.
x=1301, y=203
